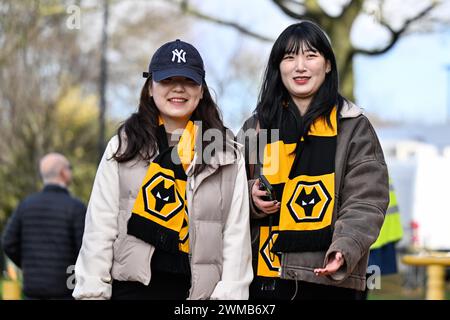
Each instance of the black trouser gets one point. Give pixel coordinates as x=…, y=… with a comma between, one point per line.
x=281, y=289
x=48, y=298
x=162, y=286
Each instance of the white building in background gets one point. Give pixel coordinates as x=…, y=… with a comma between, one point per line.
x=418, y=159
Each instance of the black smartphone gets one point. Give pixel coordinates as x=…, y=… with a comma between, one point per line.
x=265, y=185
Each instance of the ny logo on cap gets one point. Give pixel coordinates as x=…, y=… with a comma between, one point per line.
x=180, y=54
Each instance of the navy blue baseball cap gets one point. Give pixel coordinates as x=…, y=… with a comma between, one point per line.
x=176, y=59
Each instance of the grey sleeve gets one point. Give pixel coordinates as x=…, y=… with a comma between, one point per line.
x=363, y=199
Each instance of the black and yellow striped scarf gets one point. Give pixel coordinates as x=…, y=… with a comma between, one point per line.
x=301, y=170
x=160, y=215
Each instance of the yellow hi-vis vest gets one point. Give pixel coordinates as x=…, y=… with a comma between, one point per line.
x=392, y=230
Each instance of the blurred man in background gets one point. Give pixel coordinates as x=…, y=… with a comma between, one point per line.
x=44, y=234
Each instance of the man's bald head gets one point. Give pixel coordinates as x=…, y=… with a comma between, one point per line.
x=55, y=168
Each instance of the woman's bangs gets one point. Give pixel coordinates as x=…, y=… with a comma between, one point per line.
x=297, y=44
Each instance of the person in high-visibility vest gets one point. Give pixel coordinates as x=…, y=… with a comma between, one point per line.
x=383, y=253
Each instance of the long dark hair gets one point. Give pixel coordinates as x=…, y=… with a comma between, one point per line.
x=140, y=129
x=274, y=94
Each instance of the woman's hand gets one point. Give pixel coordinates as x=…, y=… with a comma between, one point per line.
x=334, y=263
x=268, y=207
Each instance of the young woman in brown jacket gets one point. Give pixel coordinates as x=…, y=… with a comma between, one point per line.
x=326, y=189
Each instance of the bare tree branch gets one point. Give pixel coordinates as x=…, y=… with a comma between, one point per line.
x=289, y=12
x=350, y=6
x=289, y=7
x=190, y=10
x=103, y=79
x=395, y=35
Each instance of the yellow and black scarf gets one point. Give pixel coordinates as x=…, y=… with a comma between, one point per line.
x=301, y=168
x=160, y=215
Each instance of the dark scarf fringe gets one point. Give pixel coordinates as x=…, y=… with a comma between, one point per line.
x=153, y=233
x=300, y=241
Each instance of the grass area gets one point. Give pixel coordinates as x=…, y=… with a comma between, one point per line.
x=392, y=288
x=2, y=283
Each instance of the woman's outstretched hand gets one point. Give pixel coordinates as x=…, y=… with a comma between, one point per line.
x=334, y=263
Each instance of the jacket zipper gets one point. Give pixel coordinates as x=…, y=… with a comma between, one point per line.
x=190, y=228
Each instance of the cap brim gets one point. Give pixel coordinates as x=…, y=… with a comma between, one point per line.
x=178, y=72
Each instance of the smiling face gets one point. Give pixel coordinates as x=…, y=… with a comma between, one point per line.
x=176, y=99
x=302, y=74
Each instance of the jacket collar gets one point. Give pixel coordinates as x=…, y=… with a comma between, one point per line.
x=220, y=158
x=350, y=110
x=223, y=158
x=55, y=188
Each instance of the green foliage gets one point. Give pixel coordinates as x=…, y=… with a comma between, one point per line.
x=71, y=129
x=43, y=107
x=76, y=128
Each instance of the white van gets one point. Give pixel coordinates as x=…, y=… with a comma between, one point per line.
x=431, y=200
x=420, y=174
